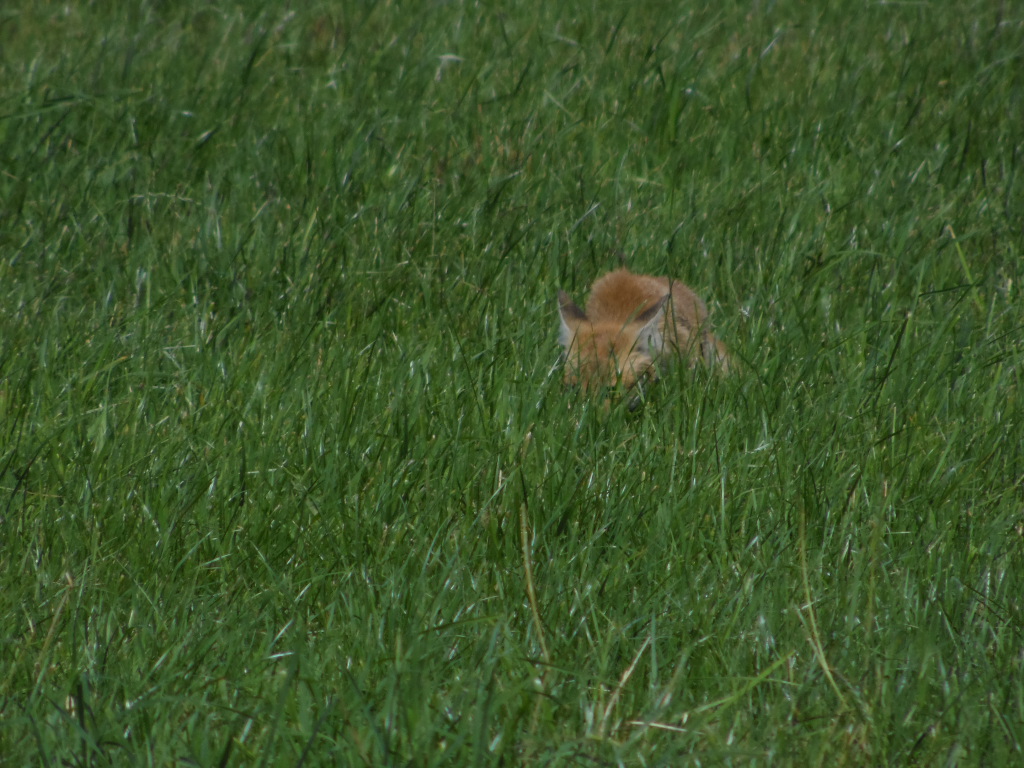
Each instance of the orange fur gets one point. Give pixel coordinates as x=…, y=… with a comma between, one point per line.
x=631, y=321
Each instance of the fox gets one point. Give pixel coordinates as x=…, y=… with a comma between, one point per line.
x=630, y=324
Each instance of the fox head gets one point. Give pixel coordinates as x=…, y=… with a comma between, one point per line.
x=609, y=354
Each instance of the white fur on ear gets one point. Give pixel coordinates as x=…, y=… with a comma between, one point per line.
x=571, y=316
x=651, y=339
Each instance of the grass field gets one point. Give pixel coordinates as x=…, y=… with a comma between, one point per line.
x=288, y=475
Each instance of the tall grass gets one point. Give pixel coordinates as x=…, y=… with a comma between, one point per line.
x=287, y=472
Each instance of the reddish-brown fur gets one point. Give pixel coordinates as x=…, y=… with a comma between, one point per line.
x=630, y=322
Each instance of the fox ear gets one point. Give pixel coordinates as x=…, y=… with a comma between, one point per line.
x=651, y=340
x=571, y=316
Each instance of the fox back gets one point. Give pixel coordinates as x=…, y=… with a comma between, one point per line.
x=631, y=321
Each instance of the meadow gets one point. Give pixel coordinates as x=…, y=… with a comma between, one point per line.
x=288, y=473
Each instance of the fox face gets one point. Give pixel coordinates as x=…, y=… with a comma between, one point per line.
x=630, y=324
x=607, y=353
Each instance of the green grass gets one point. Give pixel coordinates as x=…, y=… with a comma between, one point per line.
x=287, y=472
